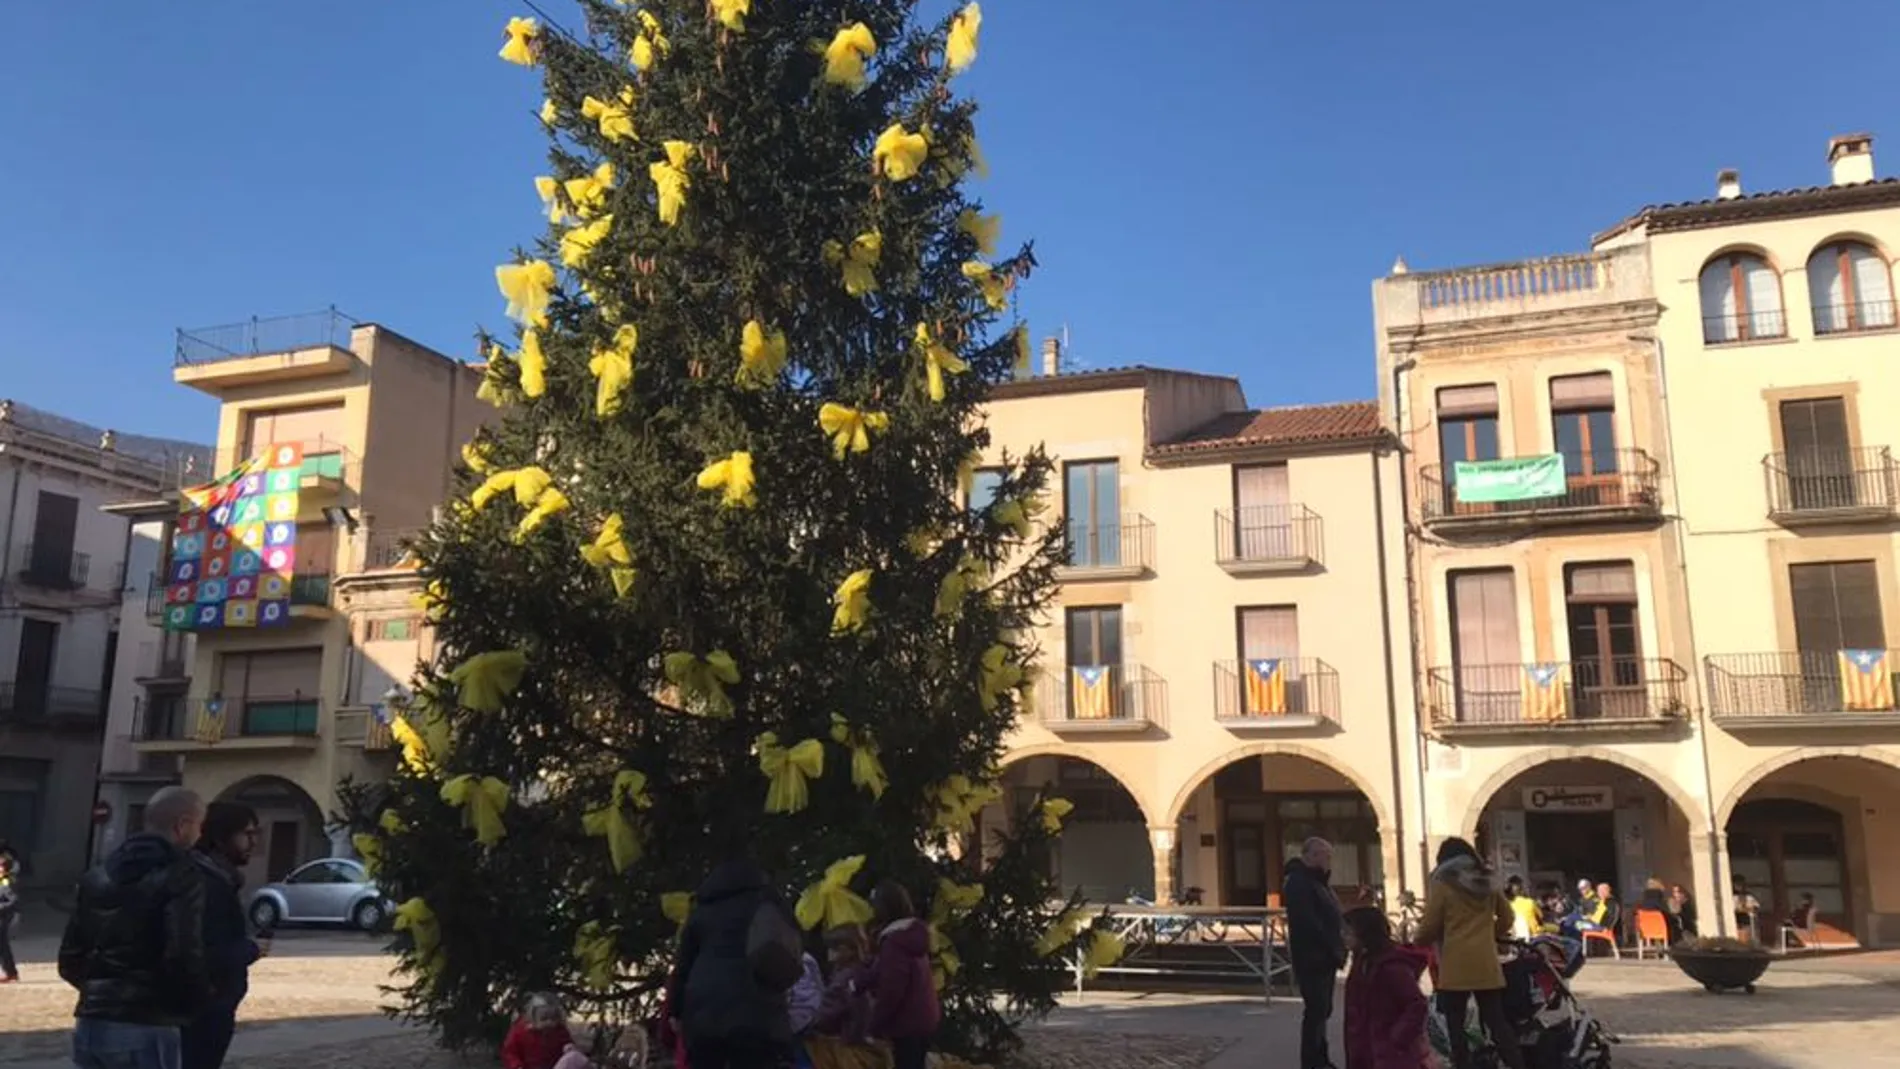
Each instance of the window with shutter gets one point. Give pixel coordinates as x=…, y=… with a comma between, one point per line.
x=1485, y=652
x=319, y=428
x=1741, y=300
x=1583, y=422
x=1836, y=606
x=275, y=692
x=1263, y=513
x=1818, y=458
x=1851, y=288
x=1092, y=504
x=1606, y=646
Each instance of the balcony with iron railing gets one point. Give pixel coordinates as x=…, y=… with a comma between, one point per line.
x=1831, y=486
x=365, y=727
x=1263, y=539
x=1099, y=550
x=37, y=705
x=1615, y=693
x=156, y=594
x=1276, y=693
x=1857, y=318
x=325, y=466
x=263, y=350
x=1803, y=690
x=389, y=548
x=1607, y=486
x=54, y=567
x=1102, y=698
x=291, y=721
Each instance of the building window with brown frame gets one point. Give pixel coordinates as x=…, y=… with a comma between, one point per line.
x=1606, y=646
x=1741, y=300
x=1583, y=426
x=1851, y=288
x=1467, y=430
x=1487, y=659
x=1836, y=607
x=1818, y=457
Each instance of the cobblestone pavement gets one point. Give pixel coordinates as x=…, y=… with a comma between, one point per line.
x=314, y=1005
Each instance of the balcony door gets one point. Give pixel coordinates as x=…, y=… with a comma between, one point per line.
x=1467, y=430
x=271, y=692
x=1269, y=647
x=1095, y=662
x=33, y=667
x=318, y=428
x=1487, y=662
x=1817, y=453
x=1092, y=503
x=1836, y=607
x=1583, y=424
x=1263, y=513
x=1606, y=649
x=55, y=529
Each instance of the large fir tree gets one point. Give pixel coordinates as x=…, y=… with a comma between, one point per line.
x=715, y=585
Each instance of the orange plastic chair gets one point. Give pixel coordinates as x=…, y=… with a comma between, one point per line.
x=1605, y=936
x=1652, y=932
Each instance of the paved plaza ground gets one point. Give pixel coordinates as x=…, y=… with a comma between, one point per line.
x=314, y=1005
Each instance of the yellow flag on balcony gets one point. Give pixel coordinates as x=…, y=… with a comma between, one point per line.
x=210, y=726
x=1266, y=686
x=1866, y=681
x=1546, y=692
x=1092, y=689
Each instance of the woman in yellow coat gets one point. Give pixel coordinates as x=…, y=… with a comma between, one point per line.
x=1466, y=917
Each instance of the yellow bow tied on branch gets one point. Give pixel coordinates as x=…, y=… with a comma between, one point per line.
x=612, y=368
x=845, y=55
x=596, y=955
x=549, y=189
x=427, y=746
x=1060, y=933
x=944, y=961
x=994, y=287
x=850, y=428
x=969, y=573
x=481, y=799
x=1105, y=949
x=533, y=364
x=552, y=502
x=731, y=13
x=425, y=934
x=613, y=118
x=853, y=601
x=677, y=906
x=370, y=849
x=1000, y=675
x=899, y=154
x=520, y=48
x=525, y=483
x=966, y=474
x=734, y=476
x=484, y=679
x=1021, y=334
x=495, y=389
x=615, y=823
x=549, y=114
x=671, y=180
x=830, y=902
x=983, y=229
x=651, y=45
x=1054, y=811
x=787, y=770
x=960, y=50
x=527, y=287
x=953, y=900
x=475, y=455
x=857, y=262
x=705, y=680
x=761, y=354
x=588, y=192
x=608, y=552
x=959, y=801
x=391, y=822
x=867, y=769
x=578, y=244
x=938, y=361
x=1018, y=515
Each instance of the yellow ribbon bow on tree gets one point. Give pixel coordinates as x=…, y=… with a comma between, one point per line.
x=527, y=287
x=1000, y=675
x=549, y=190
x=671, y=180
x=867, y=769
x=533, y=364
x=959, y=801
x=845, y=55
x=609, y=553
x=705, y=679
x=787, y=770
x=960, y=49
x=613, y=821
x=525, y=483
x=475, y=455
x=983, y=229
x=548, y=113
x=425, y=934
x=1105, y=949
x=731, y=13
x=853, y=601
x=944, y=961
x=830, y=903
x=1060, y=933
x=953, y=899
x=968, y=574
x=578, y=244
x=857, y=262
x=850, y=428
x=761, y=354
x=734, y=476
x=481, y=799
x=484, y=679
x=370, y=849
x=612, y=367
x=613, y=118
x=521, y=39
x=588, y=192
x=677, y=906
x=994, y=287
x=495, y=388
x=1053, y=811
x=552, y=502
x=1017, y=514
x=899, y=154
x=1023, y=354
x=391, y=822
x=596, y=954
x=651, y=45
x=428, y=745
x=938, y=361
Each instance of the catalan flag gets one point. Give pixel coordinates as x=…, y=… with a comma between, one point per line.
x=1092, y=692
x=1546, y=692
x=1866, y=681
x=1266, y=686
x=209, y=728
x=377, y=734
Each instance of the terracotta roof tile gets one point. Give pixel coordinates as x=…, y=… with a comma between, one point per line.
x=1768, y=204
x=1344, y=421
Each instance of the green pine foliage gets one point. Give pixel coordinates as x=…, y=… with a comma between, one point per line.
x=782, y=163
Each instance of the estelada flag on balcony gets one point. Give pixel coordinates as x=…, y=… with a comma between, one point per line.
x=209, y=728
x=1866, y=681
x=379, y=734
x=1266, y=685
x=1546, y=692
x=1092, y=692
x=234, y=550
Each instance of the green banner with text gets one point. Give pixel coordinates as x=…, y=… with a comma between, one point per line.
x=1517, y=479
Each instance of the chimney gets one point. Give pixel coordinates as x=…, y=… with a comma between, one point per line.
x=1052, y=356
x=1851, y=156
x=109, y=441
x=1728, y=184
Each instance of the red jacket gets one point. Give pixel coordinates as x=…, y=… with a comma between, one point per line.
x=903, y=994
x=533, y=1048
x=1385, y=1012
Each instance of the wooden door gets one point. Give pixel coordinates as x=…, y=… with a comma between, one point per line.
x=282, y=852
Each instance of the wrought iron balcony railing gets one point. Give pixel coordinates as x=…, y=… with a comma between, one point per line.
x=1802, y=687
x=326, y=463
x=262, y=337
x=1265, y=690
x=1112, y=548
x=1830, y=484
x=210, y=721
x=1605, y=484
x=1266, y=537
x=1559, y=694
x=1102, y=696
x=1853, y=318
x=22, y=703
x=1744, y=326
x=55, y=567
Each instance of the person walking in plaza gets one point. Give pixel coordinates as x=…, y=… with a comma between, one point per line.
x=729, y=1000
x=9, y=912
x=1315, y=943
x=230, y=837
x=904, y=1007
x=134, y=947
x=1385, y=1008
x=1466, y=917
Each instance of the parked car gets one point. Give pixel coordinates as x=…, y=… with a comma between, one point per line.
x=331, y=891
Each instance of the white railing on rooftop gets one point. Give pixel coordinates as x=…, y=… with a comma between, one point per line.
x=1545, y=284
x=1514, y=281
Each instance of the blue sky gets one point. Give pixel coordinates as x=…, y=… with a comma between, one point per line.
x=1212, y=184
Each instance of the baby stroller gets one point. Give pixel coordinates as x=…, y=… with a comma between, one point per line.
x=1554, y=1030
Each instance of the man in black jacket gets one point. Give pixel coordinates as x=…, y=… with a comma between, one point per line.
x=731, y=1018
x=1316, y=943
x=230, y=837
x=135, y=945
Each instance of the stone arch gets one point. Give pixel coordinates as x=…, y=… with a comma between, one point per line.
x=1756, y=775
x=1474, y=814
x=1076, y=753
x=1380, y=807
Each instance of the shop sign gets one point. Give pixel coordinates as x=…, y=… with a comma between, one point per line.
x=1569, y=799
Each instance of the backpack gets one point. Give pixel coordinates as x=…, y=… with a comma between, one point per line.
x=773, y=948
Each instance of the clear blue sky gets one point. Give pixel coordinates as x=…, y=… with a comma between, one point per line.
x=1212, y=184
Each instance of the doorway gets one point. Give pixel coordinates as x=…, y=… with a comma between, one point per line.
x=281, y=854
x=33, y=671
x=1246, y=854
x=1784, y=849
x=1566, y=847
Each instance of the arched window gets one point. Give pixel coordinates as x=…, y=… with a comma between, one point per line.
x=1741, y=300
x=1851, y=288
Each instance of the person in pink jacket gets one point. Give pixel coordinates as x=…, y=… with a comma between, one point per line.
x=1385, y=1006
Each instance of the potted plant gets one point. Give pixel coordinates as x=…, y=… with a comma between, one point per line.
x=1721, y=964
